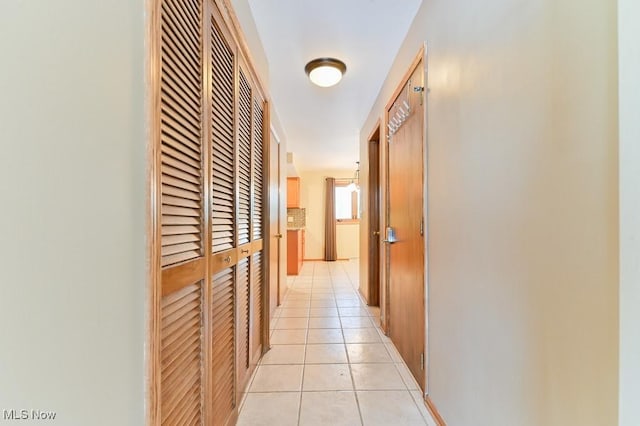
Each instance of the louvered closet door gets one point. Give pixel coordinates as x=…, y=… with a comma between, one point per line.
x=208, y=307
x=223, y=143
x=243, y=226
x=244, y=160
x=181, y=214
x=181, y=356
x=258, y=278
x=257, y=310
x=223, y=221
x=223, y=357
x=242, y=283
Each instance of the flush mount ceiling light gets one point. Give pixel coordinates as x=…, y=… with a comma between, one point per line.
x=325, y=72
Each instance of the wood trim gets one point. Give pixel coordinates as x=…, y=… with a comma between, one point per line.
x=266, y=176
x=342, y=181
x=236, y=204
x=373, y=270
x=233, y=418
x=222, y=25
x=255, y=356
x=384, y=221
x=257, y=245
x=377, y=127
x=177, y=277
x=207, y=226
x=405, y=77
x=425, y=209
x=153, y=340
x=347, y=221
x=434, y=412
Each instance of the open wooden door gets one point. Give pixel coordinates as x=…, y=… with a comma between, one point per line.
x=405, y=231
x=374, y=218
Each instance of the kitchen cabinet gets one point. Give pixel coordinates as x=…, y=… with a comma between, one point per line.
x=295, y=251
x=293, y=192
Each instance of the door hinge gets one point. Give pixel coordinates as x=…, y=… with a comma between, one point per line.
x=422, y=361
x=422, y=226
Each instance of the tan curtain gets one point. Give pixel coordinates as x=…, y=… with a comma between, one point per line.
x=330, y=247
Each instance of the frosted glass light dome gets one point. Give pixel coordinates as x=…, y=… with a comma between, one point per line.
x=325, y=72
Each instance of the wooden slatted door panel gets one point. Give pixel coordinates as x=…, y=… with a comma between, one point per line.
x=224, y=309
x=244, y=161
x=181, y=131
x=208, y=311
x=243, y=294
x=180, y=312
x=223, y=358
x=258, y=169
x=223, y=152
x=181, y=357
x=257, y=304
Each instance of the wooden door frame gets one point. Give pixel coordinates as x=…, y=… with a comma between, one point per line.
x=266, y=220
x=375, y=211
x=273, y=137
x=421, y=57
x=154, y=270
x=425, y=209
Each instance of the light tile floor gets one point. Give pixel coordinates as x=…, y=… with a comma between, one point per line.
x=329, y=363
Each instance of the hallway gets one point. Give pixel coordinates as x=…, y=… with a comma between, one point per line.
x=329, y=363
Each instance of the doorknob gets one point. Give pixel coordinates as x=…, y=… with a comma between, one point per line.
x=278, y=235
x=376, y=232
x=391, y=236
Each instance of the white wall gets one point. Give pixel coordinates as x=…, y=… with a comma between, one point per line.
x=72, y=230
x=242, y=11
x=523, y=217
x=312, y=197
x=348, y=239
x=629, y=92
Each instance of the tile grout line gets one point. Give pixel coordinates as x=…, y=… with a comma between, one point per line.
x=304, y=363
x=353, y=382
x=321, y=280
x=396, y=365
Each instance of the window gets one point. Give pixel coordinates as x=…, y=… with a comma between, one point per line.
x=347, y=202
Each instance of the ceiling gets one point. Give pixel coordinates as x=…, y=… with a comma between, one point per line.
x=322, y=125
